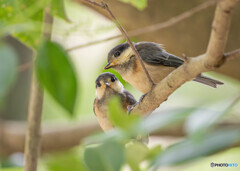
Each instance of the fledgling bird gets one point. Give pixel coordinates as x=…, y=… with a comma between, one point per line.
x=157, y=61
x=107, y=86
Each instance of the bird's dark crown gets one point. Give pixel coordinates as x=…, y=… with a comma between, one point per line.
x=119, y=48
x=105, y=77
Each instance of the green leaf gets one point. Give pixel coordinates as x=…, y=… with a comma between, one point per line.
x=119, y=117
x=153, y=152
x=56, y=74
x=201, y=119
x=190, y=149
x=8, y=69
x=139, y=4
x=69, y=160
x=58, y=9
x=106, y=157
x=23, y=19
x=136, y=153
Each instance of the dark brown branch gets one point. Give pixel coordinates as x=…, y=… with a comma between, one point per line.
x=33, y=136
x=170, y=22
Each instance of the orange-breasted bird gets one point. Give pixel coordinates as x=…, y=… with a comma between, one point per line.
x=107, y=86
x=157, y=61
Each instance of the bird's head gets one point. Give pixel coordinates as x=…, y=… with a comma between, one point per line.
x=107, y=84
x=119, y=56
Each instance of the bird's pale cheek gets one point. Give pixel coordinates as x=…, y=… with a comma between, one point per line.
x=100, y=92
x=111, y=64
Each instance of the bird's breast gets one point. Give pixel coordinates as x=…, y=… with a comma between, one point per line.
x=138, y=78
x=102, y=115
x=158, y=72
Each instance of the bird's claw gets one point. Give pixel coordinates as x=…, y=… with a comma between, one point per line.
x=130, y=108
x=142, y=97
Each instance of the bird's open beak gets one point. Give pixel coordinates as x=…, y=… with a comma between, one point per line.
x=110, y=65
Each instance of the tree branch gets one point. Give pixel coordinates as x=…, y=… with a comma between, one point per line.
x=194, y=66
x=219, y=33
x=65, y=136
x=170, y=22
x=33, y=136
x=53, y=138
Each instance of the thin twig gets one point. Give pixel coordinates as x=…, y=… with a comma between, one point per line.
x=233, y=54
x=170, y=22
x=228, y=56
x=33, y=135
x=129, y=41
x=124, y=33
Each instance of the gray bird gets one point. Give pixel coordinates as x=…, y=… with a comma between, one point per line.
x=158, y=62
x=107, y=86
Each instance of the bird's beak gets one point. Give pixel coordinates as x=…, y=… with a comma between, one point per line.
x=107, y=84
x=110, y=65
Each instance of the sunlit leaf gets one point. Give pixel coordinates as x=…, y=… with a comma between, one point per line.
x=139, y=4
x=23, y=19
x=105, y=157
x=58, y=9
x=153, y=152
x=136, y=153
x=56, y=74
x=190, y=149
x=68, y=160
x=201, y=119
x=8, y=69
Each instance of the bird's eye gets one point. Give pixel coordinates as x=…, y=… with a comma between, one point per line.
x=116, y=54
x=98, y=84
x=113, y=79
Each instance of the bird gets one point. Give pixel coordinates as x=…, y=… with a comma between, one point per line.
x=107, y=86
x=158, y=62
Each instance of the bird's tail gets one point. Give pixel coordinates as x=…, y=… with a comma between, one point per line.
x=208, y=81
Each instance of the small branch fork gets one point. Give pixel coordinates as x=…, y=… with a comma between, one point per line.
x=124, y=33
x=170, y=22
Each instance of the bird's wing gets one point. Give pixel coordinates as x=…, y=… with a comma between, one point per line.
x=129, y=98
x=153, y=54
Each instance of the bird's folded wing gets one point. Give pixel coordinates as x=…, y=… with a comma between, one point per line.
x=153, y=54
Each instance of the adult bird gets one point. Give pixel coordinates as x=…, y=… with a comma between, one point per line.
x=157, y=61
